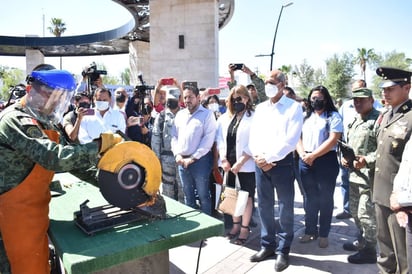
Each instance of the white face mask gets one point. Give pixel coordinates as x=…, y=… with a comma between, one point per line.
x=271, y=90
x=214, y=107
x=102, y=105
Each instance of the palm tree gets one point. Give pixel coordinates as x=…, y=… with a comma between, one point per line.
x=366, y=56
x=58, y=27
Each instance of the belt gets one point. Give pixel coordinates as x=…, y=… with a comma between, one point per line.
x=167, y=152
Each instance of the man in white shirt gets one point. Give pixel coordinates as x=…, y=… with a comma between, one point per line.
x=104, y=118
x=274, y=134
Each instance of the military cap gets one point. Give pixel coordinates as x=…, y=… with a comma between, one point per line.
x=362, y=93
x=393, y=76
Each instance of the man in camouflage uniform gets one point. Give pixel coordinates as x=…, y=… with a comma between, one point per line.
x=256, y=88
x=161, y=138
x=393, y=133
x=30, y=153
x=362, y=138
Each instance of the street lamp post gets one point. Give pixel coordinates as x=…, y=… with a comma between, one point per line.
x=274, y=38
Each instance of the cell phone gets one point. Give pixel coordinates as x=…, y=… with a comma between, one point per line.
x=237, y=66
x=167, y=81
x=190, y=84
x=90, y=111
x=213, y=91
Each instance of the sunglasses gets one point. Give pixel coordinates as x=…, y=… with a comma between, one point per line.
x=236, y=100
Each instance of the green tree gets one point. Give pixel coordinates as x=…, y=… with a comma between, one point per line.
x=125, y=76
x=58, y=27
x=286, y=69
x=392, y=59
x=9, y=77
x=306, y=77
x=339, y=73
x=366, y=57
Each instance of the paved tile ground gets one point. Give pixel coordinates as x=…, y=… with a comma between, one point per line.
x=218, y=255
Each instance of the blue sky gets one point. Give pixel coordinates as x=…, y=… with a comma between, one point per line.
x=309, y=29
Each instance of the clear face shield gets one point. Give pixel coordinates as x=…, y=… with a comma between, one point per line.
x=50, y=95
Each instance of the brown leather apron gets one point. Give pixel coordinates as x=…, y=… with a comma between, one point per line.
x=24, y=220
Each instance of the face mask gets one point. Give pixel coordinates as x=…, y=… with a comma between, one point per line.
x=213, y=107
x=271, y=90
x=120, y=98
x=102, y=105
x=239, y=106
x=318, y=104
x=172, y=104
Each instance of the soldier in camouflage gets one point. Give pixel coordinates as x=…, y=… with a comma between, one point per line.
x=30, y=153
x=161, y=138
x=362, y=138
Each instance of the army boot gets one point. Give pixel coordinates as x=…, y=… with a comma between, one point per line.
x=366, y=255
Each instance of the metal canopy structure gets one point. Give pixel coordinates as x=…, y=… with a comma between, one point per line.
x=109, y=42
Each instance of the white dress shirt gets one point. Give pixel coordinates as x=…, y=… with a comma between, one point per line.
x=276, y=129
x=92, y=126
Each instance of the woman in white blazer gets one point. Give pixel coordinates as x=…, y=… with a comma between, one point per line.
x=232, y=140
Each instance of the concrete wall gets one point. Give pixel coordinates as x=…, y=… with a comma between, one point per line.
x=34, y=57
x=139, y=60
x=197, y=21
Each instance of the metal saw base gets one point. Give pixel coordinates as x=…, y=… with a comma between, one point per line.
x=92, y=220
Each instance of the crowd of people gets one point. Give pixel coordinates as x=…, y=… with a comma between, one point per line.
x=262, y=135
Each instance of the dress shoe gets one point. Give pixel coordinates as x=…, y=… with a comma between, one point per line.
x=343, y=215
x=282, y=262
x=323, y=242
x=307, y=238
x=263, y=254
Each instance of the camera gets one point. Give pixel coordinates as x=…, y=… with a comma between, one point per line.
x=92, y=72
x=142, y=90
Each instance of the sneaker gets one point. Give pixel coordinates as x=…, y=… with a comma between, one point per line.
x=363, y=256
x=353, y=246
x=323, y=242
x=343, y=215
x=307, y=238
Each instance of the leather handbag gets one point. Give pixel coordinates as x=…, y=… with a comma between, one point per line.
x=232, y=200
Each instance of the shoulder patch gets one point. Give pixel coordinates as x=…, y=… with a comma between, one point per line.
x=34, y=131
x=26, y=121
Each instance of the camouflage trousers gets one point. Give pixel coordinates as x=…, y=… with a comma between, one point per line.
x=363, y=211
x=171, y=183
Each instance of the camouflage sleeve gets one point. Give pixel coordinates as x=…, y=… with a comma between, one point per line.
x=231, y=84
x=156, y=141
x=260, y=87
x=23, y=134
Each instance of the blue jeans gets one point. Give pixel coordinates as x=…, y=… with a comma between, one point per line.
x=319, y=182
x=344, y=177
x=196, y=177
x=280, y=178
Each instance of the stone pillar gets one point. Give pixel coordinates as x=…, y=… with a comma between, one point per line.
x=139, y=53
x=184, y=41
x=34, y=57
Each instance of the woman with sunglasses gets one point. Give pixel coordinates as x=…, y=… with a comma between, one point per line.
x=232, y=143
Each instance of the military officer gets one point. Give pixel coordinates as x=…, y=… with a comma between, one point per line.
x=361, y=136
x=393, y=133
x=30, y=153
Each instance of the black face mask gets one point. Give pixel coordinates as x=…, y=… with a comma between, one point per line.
x=121, y=98
x=84, y=105
x=172, y=104
x=318, y=104
x=239, y=106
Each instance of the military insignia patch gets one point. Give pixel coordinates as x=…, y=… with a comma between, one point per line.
x=34, y=132
x=25, y=121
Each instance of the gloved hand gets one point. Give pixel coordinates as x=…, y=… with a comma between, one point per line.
x=108, y=140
